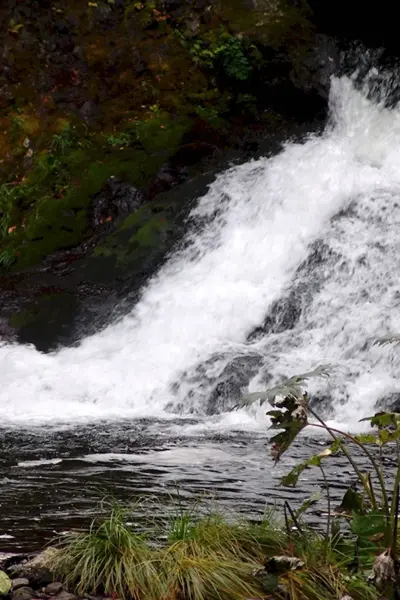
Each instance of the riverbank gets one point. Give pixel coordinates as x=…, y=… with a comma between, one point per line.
x=192, y=555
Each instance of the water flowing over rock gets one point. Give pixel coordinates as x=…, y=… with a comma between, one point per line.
x=271, y=237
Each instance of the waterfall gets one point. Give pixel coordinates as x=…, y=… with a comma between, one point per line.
x=317, y=225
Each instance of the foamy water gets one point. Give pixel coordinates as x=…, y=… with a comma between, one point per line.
x=256, y=227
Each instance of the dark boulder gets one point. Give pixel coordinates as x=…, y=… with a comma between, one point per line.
x=38, y=577
x=23, y=593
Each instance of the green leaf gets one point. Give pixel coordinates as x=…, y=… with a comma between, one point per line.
x=385, y=419
x=387, y=339
x=352, y=502
x=292, y=387
x=366, y=438
x=366, y=526
x=292, y=420
x=385, y=436
x=313, y=499
x=292, y=477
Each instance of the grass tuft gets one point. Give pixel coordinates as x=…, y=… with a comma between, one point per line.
x=110, y=559
x=207, y=557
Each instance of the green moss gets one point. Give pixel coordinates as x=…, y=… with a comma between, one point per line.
x=143, y=110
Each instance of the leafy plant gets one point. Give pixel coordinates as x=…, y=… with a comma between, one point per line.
x=64, y=140
x=222, y=51
x=374, y=513
x=7, y=258
x=122, y=139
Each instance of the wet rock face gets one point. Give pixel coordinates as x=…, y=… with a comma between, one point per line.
x=117, y=200
x=390, y=403
x=98, y=91
x=232, y=381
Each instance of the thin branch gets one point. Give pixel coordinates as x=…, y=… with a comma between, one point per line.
x=328, y=497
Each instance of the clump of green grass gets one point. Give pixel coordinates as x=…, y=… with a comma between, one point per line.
x=207, y=557
x=204, y=558
x=110, y=558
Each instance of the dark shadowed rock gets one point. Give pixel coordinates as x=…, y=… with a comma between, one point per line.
x=116, y=200
x=232, y=381
x=38, y=577
x=12, y=562
x=283, y=315
x=23, y=593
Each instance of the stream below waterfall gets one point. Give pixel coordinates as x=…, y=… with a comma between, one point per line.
x=289, y=262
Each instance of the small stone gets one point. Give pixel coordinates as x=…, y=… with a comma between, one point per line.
x=26, y=143
x=23, y=593
x=19, y=583
x=53, y=588
x=283, y=564
x=65, y=596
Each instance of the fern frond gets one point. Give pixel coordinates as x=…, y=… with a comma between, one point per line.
x=387, y=339
x=292, y=387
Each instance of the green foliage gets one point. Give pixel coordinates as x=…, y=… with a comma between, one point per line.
x=207, y=557
x=161, y=132
x=110, y=557
x=64, y=140
x=292, y=478
x=292, y=387
x=122, y=139
x=222, y=51
x=373, y=519
x=234, y=61
x=211, y=115
x=193, y=570
x=7, y=258
x=8, y=195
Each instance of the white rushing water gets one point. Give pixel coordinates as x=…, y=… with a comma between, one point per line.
x=262, y=219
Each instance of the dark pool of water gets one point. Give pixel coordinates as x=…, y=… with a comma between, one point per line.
x=52, y=480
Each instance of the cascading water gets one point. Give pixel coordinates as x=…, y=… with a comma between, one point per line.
x=251, y=244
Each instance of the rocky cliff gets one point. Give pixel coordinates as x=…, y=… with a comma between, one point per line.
x=108, y=107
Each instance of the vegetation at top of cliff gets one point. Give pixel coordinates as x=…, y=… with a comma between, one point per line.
x=89, y=90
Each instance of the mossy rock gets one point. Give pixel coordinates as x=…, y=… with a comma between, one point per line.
x=5, y=583
x=145, y=238
x=54, y=223
x=139, y=243
x=46, y=319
